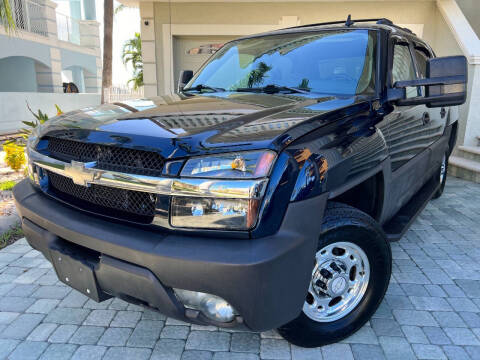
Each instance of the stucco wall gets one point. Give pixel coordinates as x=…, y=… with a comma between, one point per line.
x=472, y=126
x=13, y=109
x=444, y=44
x=13, y=46
x=471, y=10
x=72, y=58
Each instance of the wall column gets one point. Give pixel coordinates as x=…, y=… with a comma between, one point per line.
x=75, y=9
x=90, y=37
x=147, y=26
x=89, y=10
x=469, y=43
x=472, y=126
x=46, y=19
x=50, y=79
x=78, y=78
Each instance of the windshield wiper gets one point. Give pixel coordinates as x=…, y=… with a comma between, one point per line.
x=272, y=89
x=201, y=87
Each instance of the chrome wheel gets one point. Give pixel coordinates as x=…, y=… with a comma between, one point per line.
x=443, y=169
x=339, y=281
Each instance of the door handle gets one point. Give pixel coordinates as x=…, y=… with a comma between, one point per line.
x=425, y=118
x=443, y=112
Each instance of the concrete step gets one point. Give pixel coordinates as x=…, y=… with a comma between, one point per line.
x=470, y=152
x=464, y=168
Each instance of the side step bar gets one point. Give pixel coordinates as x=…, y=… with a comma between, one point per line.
x=399, y=224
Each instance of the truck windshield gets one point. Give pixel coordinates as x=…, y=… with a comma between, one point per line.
x=331, y=61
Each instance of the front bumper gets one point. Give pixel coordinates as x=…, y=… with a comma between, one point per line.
x=265, y=279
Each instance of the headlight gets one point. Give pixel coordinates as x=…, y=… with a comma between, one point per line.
x=232, y=201
x=242, y=165
x=210, y=213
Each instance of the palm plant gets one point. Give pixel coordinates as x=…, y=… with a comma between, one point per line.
x=132, y=53
x=119, y=8
x=257, y=75
x=40, y=118
x=6, y=16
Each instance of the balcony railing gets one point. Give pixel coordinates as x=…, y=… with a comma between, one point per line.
x=117, y=93
x=30, y=15
x=68, y=29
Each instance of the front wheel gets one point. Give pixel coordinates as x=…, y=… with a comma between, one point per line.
x=349, y=280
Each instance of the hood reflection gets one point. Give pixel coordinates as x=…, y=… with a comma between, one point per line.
x=199, y=124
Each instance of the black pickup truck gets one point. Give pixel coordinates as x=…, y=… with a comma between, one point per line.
x=265, y=192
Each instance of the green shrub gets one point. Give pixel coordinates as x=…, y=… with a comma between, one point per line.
x=7, y=185
x=14, y=149
x=14, y=155
x=11, y=235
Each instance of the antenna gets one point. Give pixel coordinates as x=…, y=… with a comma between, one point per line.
x=349, y=21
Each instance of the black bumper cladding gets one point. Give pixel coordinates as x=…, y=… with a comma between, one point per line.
x=266, y=279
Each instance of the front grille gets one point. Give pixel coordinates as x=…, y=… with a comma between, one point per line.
x=135, y=206
x=108, y=157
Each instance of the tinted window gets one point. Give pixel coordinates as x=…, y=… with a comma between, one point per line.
x=421, y=59
x=403, y=68
x=332, y=62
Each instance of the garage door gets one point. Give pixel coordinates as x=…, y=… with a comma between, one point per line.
x=189, y=53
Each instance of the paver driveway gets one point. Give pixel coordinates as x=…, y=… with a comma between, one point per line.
x=431, y=311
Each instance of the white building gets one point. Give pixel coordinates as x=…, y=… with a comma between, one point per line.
x=182, y=34
x=54, y=42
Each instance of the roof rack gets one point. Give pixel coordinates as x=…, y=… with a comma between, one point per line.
x=389, y=22
x=350, y=22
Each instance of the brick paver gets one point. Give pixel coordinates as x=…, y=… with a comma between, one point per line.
x=431, y=311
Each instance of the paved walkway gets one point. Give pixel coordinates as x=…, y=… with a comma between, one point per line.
x=431, y=311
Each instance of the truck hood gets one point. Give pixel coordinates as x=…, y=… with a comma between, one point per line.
x=177, y=126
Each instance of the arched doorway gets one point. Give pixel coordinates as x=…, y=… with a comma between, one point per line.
x=75, y=75
x=24, y=74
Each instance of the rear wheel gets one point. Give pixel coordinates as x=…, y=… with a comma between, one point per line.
x=442, y=176
x=349, y=279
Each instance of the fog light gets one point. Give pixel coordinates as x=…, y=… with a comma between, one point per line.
x=212, y=306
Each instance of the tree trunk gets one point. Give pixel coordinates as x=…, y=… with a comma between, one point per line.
x=107, y=46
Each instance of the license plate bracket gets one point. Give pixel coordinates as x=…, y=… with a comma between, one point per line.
x=77, y=270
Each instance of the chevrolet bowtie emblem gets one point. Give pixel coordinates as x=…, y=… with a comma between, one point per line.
x=81, y=173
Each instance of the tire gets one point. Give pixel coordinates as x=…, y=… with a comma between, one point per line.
x=442, y=174
x=343, y=224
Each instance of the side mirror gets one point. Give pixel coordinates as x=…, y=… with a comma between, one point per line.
x=445, y=85
x=184, y=78
x=455, y=92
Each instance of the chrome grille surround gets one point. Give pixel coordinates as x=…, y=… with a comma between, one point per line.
x=87, y=175
x=196, y=187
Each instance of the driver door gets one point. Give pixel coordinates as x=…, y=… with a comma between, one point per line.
x=406, y=124
x=405, y=134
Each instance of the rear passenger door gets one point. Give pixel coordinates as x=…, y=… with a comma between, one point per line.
x=406, y=124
